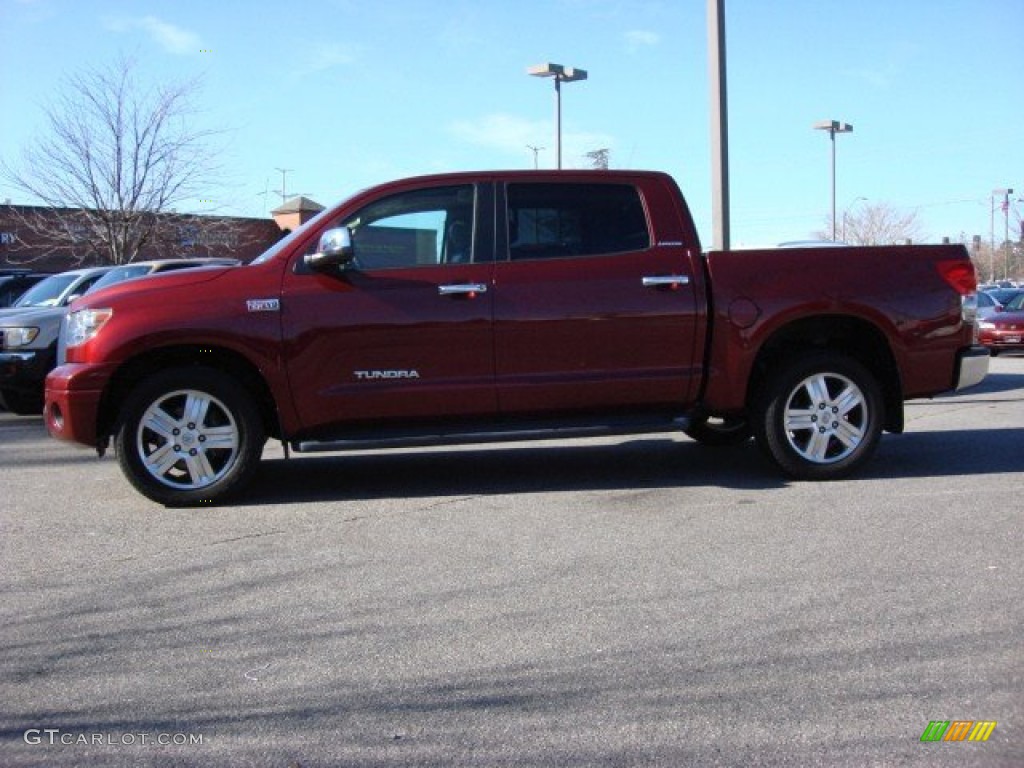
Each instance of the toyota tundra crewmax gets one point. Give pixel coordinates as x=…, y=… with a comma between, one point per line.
x=477, y=307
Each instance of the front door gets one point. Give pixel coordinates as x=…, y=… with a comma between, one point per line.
x=404, y=334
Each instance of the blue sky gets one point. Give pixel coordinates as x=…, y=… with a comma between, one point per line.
x=348, y=93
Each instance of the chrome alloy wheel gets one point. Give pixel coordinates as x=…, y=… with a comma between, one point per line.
x=187, y=439
x=825, y=419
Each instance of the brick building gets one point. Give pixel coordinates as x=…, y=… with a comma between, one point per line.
x=57, y=242
x=297, y=211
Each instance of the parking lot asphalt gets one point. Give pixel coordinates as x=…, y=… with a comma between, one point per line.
x=628, y=602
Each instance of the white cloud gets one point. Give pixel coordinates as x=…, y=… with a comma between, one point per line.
x=170, y=37
x=514, y=136
x=325, y=56
x=641, y=38
x=874, y=77
x=503, y=132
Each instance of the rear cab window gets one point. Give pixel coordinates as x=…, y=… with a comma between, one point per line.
x=564, y=220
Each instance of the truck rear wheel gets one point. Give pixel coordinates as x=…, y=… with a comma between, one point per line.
x=819, y=417
x=189, y=436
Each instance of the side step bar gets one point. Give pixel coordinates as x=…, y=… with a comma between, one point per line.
x=493, y=433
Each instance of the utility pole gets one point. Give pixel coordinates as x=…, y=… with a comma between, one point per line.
x=284, y=173
x=719, y=126
x=1005, y=193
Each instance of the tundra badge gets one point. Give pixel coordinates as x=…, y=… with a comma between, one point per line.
x=387, y=374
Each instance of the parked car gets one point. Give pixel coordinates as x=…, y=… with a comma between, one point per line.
x=1004, y=295
x=22, y=361
x=14, y=283
x=983, y=305
x=142, y=268
x=30, y=330
x=1004, y=332
x=56, y=290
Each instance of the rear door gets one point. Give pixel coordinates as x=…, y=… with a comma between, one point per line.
x=592, y=311
x=404, y=335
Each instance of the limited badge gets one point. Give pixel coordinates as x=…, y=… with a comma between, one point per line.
x=263, y=305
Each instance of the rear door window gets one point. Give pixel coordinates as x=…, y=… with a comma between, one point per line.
x=565, y=220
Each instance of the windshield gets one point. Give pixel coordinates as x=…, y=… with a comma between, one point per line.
x=1003, y=295
x=120, y=275
x=47, y=293
x=286, y=241
x=1016, y=304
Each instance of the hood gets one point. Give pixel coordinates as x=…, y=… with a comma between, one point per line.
x=11, y=311
x=1004, y=319
x=30, y=315
x=160, y=281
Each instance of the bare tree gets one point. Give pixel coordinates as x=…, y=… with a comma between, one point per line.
x=114, y=158
x=599, y=158
x=877, y=224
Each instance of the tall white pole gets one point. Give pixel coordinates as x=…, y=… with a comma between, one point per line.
x=558, y=120
x=719, y=126
x=832, y=136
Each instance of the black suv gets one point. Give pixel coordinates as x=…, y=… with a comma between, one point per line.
x=14, y=282
x=30, y=331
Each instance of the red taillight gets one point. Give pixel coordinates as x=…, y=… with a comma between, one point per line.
x=959, y=274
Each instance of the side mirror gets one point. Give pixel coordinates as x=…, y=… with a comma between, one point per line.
x=334, y=250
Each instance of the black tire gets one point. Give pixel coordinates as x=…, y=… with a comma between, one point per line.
x=22, y=403
x=819, y=417
x=719, y=432
x=189, y=436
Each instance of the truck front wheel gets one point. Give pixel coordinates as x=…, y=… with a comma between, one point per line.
x=189, y=436
x=819, y=417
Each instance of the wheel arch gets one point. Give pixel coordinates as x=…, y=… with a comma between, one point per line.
x=852, y=336
x=227, y=361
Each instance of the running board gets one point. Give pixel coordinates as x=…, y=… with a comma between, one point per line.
x=504, y=433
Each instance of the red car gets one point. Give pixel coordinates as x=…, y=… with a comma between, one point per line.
x=1004, y=332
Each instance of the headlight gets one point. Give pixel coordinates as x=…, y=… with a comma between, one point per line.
x=986, y=325
x=86, y=323
x=19, y=337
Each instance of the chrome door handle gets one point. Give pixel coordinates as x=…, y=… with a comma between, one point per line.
x=462, y=289
x=672, y=281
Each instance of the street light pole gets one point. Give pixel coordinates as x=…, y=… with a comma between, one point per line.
x=561, y=75
x=833, y=127
x=719, y=126
x=1005, y=193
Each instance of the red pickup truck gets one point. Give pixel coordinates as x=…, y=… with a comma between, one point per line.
x=477, y=307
